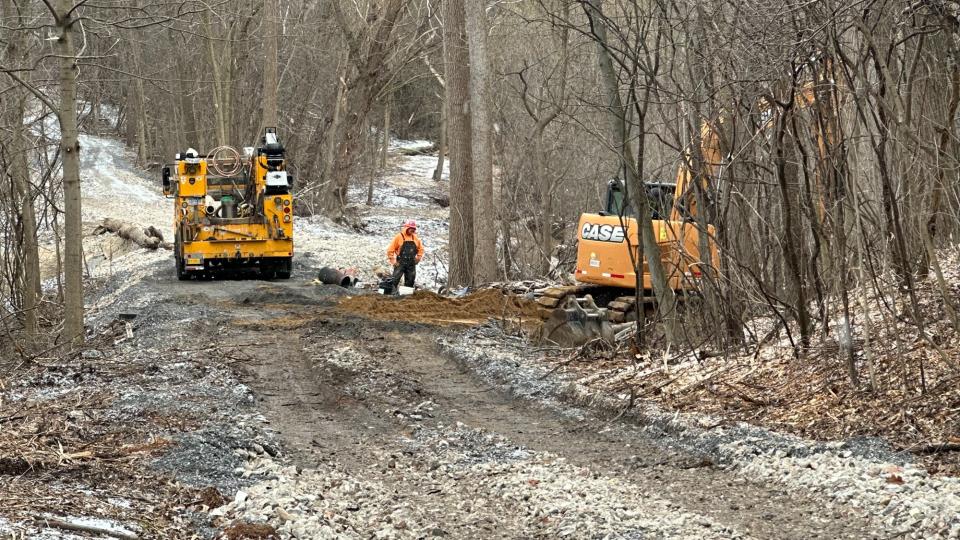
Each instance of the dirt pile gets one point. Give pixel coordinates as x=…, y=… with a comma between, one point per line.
x=431, y=308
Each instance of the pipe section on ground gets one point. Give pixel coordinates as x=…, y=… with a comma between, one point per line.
x=333, y=276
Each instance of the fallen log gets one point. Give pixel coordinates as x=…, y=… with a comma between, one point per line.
x=937, y=448
x=149, y=237
x=418, y=151
x=78, y=527
x=442, y=200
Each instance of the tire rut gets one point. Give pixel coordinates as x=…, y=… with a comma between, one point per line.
x=321, y=418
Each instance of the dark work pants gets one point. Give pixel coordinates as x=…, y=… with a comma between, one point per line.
x=408, y=271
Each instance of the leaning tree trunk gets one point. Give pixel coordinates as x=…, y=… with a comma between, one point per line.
x=666, y=301
x=70, y=152
x=456, y=66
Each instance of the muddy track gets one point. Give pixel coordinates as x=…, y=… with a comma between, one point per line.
x=344, y=391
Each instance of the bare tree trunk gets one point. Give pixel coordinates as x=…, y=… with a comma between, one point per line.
x=141, y=101
x=186, y=128
x=543, y=119
x=272, y=29
x=666, y=300
x=442, y=138
x=58, y=250
x=29, y=278
x=220, y=101
x=141, y=117
x=388, y=105
x=372, y=155
x=861, y=265
x=332, y=135
x=506, y=239
x=371, y=60
x=546, y=201
x=945, y=163
x=793, y=240
x=456, y=66
x=484, y=214
x=70, y=152
x=442, y=144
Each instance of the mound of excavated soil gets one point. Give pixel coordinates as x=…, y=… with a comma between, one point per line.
x=431, y=308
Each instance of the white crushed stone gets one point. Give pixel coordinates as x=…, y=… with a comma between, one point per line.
x=529, y=494
x=922, y=506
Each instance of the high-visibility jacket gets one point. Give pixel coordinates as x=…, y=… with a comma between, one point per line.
x=396, y=246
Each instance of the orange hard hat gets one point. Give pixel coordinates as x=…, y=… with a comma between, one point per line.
x=410, y=224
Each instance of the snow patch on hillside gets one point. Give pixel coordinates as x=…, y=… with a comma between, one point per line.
x=103, y=174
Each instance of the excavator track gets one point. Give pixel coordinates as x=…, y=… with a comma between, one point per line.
x=574, y=314
x=548, y=299
x=619, y=308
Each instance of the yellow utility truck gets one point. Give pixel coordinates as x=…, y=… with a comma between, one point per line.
x=232, y=212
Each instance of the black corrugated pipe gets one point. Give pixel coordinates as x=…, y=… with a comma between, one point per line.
x=332, y=276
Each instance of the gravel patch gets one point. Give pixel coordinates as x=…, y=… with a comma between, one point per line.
x=888, y=486
x=460, y=482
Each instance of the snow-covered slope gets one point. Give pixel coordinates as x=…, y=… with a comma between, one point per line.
x=402, y=192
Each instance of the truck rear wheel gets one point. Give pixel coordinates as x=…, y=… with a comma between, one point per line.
x=182, y=274
x=284, y=268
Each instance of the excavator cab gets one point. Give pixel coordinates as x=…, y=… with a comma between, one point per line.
x=617, y=203
x=659, y=196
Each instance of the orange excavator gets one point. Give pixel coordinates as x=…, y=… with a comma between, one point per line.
x=608, y=243
x=603, y=261
x=605, y=273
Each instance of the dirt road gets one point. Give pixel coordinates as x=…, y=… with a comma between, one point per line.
x=432, y=449
x=316, y=422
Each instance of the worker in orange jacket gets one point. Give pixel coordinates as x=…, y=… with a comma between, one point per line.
x=404, y=253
